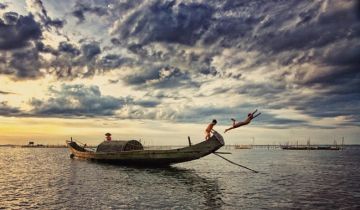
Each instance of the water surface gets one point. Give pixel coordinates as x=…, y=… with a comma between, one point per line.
x=47, y=178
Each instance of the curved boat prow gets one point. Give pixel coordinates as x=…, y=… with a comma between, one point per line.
x=219, y=137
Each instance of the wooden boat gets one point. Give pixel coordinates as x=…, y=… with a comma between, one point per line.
x=132, y=152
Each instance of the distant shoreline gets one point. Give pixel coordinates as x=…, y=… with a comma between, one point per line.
x=160, y=146
x=33, y=146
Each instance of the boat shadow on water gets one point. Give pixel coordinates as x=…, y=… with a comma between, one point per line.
x=206, y=186
x=205, y=190
x=195, y=184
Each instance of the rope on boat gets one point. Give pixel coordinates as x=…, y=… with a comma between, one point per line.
x=236, y=163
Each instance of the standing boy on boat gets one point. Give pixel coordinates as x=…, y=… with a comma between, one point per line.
x=247, y=121
x=209, y=129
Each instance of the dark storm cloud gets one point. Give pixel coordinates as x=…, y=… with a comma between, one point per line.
x=82, y=101
x=290, y=33
x=296, y=47
x=81, y=9
x=77, y=101
x=90, y=50
x=208, y=71
x=262, y=89
x=147, y=103
x=161, y=77
x=87, y=60
x=345, y=55
x=115, y=41
x=3, y=6
x=229, y=29
x=165, y=22
x=6, y=110
x=11, y=18
x=341, y=75
x=73, y=62
x=333, y=105
x=316, y=34
x=22, y=65
x=112, y=61
x=40, y=11
x=271, y=120
x=19, y=34
x=21, y=40
x=57, y=23
x=68, y=48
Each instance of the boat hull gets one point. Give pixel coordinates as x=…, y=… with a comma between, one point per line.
x=150, y=157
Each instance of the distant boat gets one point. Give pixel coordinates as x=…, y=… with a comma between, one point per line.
x=132, y=152
x=243, y=147
x=308, y=146
x=287, y=147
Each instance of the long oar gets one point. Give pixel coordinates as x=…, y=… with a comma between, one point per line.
x=236, y=163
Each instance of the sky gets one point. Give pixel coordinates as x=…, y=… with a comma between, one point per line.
x=160, y=71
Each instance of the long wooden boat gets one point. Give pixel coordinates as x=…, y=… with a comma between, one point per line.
x=134, y=154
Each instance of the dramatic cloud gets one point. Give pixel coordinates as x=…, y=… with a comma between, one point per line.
x=69, y=48
x=90, y=50
x=81, y=9
x=11, y=18
x=6, y=110
x=2, y=6
x=19, y=57
x=24, y=64
x=163, y=22
x=161, y=77
x=18, y=32
x=112, y=61
x=297, y=56
x=76, y=101
x=37, y=8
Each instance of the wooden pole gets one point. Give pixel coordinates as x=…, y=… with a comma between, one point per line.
x=226, y=153
x=236, y=163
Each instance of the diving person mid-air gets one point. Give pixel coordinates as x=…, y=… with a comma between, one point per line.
x=235, y=124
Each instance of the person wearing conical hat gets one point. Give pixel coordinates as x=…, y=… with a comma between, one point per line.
x=108, y=136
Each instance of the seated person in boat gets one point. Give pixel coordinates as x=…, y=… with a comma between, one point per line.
x=108, y=136
x=209, y=129
x=235, y=124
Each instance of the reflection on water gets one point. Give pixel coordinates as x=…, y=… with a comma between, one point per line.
x=47, y=178
x=194, y=183
x=129, y=187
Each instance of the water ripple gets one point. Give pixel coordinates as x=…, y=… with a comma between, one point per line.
x=49, y=179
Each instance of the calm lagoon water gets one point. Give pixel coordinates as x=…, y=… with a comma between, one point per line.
x=46, y=178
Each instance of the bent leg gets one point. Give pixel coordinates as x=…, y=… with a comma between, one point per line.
x=226, y=130
x=234, y=121
x=207, y=136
